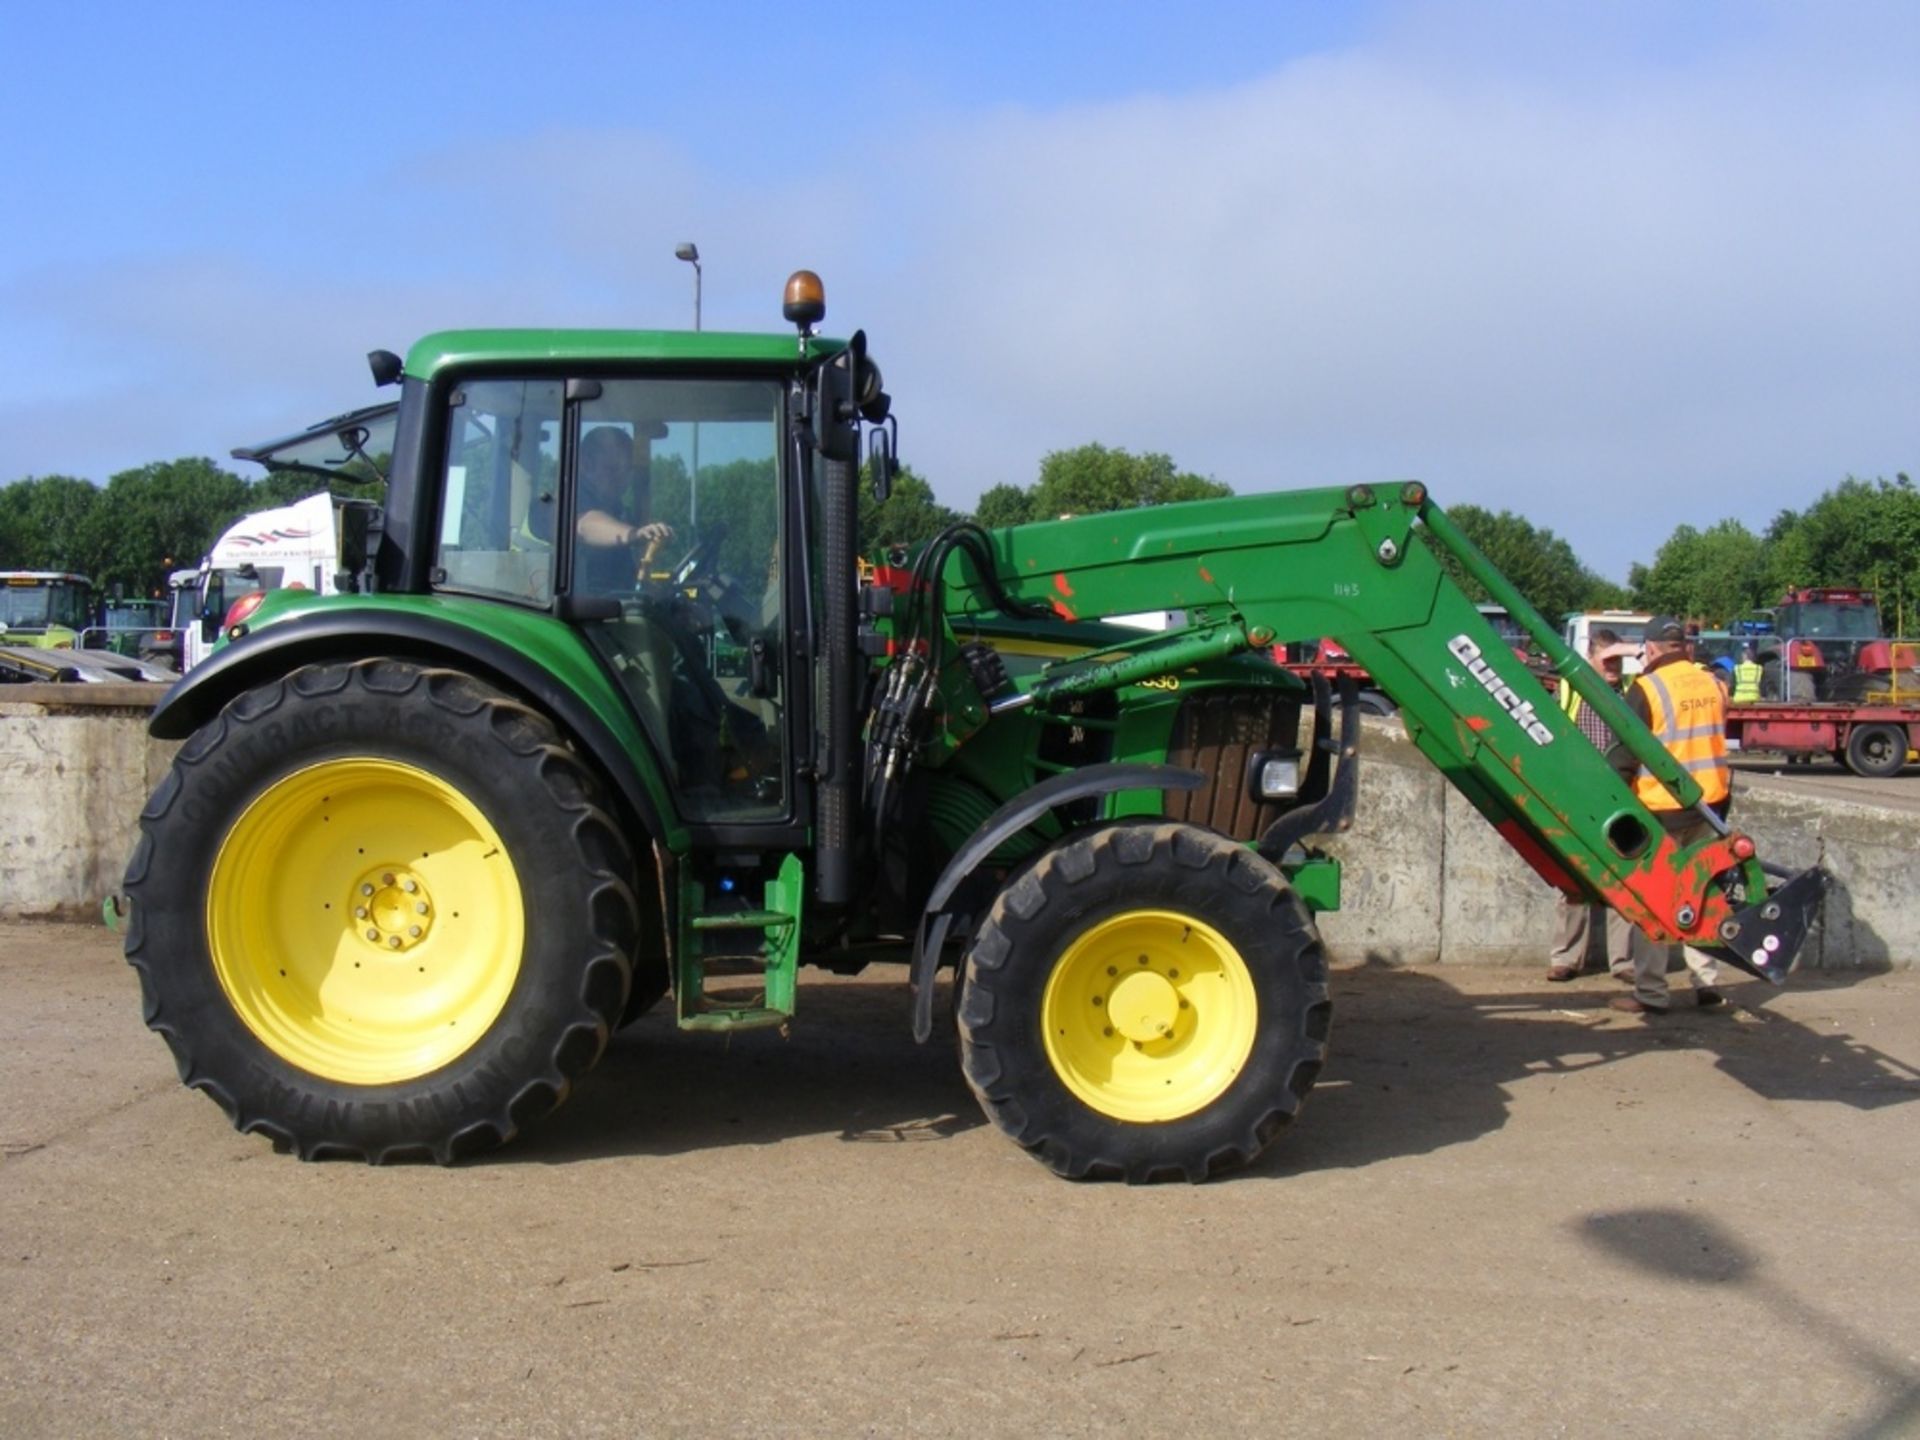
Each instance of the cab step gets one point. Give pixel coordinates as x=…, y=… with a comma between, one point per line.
x=777, y=925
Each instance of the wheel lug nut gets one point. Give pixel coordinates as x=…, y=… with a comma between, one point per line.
x=1143, y=959
x=412, y=886
x=394, y=941
x=366, y=889
x=359, y=912
x=420, y=906
x=372, y=934
x=386, y=879
x=1112, y=970
x=414, y=930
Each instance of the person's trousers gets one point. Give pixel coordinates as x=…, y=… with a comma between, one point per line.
x=1576, y=924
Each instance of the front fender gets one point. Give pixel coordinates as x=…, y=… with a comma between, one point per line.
x=533, y=656
x=1009, y=820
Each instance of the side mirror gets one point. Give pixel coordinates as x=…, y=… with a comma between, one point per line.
x=881, y=464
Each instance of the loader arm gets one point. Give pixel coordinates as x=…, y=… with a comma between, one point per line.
x=1360, y=566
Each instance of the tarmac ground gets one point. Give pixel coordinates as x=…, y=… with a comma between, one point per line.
x=1506, y=1210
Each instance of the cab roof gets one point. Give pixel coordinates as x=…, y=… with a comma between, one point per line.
x=448, y=349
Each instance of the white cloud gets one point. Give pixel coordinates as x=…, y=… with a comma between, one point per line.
x=1614, y=273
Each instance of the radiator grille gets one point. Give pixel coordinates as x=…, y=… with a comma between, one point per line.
x=1217, y=733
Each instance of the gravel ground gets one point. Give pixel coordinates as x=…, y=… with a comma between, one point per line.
x=1505, y=1211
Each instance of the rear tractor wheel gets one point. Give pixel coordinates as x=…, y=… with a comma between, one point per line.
x=379, y=911
x=1144, y=1002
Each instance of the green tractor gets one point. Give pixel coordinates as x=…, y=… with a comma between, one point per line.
x=610, y=708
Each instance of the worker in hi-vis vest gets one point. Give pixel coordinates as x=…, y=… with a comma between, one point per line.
x=1686, y=709
x=1746, y=677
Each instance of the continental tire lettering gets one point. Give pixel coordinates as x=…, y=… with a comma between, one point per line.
x=1521, y=709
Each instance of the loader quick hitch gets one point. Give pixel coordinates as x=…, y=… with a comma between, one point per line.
x=1764, y=939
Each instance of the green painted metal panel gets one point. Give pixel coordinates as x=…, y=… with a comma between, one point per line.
x=548, y=642
x=460, y=349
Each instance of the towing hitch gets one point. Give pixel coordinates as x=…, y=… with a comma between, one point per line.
x=1765, y=939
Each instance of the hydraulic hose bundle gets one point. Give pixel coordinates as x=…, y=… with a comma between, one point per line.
x=903, y=701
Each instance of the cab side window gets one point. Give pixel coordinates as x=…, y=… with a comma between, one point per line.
x=499, y=490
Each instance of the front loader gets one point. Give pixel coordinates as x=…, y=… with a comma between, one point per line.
x=430, y=840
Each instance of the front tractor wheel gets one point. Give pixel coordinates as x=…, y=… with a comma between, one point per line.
x=1146, y=1002
x=380, y=911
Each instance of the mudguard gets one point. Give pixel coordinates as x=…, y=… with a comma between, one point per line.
x=347, y=635
x=1006, y=822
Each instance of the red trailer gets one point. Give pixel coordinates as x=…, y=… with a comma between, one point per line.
x=1869, y=739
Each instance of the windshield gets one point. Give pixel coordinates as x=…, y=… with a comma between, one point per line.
x=1826, y=618
x=1631, y=632
x=34, y=605
x=226, y=586
x=130, y=614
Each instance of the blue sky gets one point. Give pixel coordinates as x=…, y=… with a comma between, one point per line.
x=1616, y=266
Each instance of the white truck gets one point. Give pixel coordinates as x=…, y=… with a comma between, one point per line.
x=293, y=545
x=1630, y=625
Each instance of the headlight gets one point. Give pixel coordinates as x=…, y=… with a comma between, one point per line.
x=1276, y=777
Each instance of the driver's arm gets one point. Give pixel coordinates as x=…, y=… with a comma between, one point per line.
x=597, y=527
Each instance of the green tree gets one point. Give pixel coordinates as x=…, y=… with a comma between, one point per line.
x=1090, y=480
x=1861, y=532
x=909, y=515
x=48, y=523
x=1093, y=478
x=1538, y=563
x=1711, y=575
x=158, y=516
x=1003, y=505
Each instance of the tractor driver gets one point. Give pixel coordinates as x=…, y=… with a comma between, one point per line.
x=613, y=486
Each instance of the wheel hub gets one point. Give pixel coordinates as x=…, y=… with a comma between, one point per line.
x=1144, y=1006
x=392, y=908
x=322, y=946
x=1149, y=1015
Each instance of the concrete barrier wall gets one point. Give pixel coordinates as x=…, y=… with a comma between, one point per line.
x=1427, y=879
x=76, y=768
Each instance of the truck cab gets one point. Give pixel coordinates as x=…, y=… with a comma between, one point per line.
x=44, y=609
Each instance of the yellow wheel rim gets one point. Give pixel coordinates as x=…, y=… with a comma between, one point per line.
x=1149, y=1016
x=365, y=921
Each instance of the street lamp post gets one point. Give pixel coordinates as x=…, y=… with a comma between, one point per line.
x=690, y=252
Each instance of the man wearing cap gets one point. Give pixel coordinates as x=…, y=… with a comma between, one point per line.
x=1569, y=953
x=1686, y=709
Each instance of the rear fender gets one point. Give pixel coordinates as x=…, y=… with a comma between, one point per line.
x=344, y=635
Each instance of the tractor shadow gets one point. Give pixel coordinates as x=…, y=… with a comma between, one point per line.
x=848, y=1065
x=1418, y=1064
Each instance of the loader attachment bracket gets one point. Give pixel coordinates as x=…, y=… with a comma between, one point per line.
x=1765, y=939
x=1333, y=808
